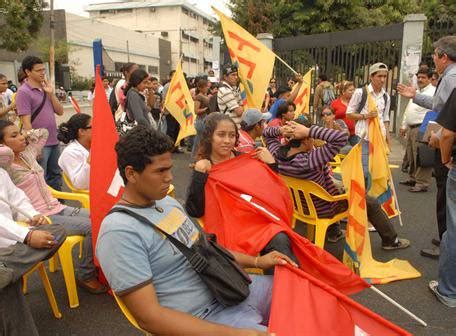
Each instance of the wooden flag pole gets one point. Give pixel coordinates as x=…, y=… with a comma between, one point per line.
x=286, y=64
x=405, y=310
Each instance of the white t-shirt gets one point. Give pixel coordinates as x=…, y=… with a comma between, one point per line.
x=362, y=126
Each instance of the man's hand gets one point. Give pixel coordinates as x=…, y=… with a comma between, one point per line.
x=47, y=87
x=406, y=91
x=37, y=220
x=434, y=140
x=299, y=131
x=274, y=258
x=262, y=153
x=371, y=115
x=403, y=132
x=41, y=239
x=203, y=166
x=449, y=165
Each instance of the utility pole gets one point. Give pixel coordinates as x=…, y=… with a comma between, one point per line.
x=128, y=52
x=52, y=45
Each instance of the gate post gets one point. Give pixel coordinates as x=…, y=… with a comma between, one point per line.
x=266, y=39
x=411, y=55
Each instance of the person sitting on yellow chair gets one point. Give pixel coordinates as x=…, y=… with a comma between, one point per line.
x=18, y=154
x=21, y=248
x=299, y=158
x=75, y=158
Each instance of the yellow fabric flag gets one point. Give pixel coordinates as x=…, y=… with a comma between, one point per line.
x=180, y=104
x=254, y=60
x=379, y=174
x=302, y=100
x=357, y=250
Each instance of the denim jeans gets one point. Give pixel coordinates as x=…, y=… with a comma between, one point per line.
x=77, y=222
x=49, y=162
x=253, y=313
x=447, y=261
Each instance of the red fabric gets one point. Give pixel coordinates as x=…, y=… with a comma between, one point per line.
x=242, y=227
x=103, y=162
x=319, y=309
x=75, y=104
x=340, y=111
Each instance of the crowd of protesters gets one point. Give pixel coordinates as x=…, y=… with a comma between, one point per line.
x=159, y=287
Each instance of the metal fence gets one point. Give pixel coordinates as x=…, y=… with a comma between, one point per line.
x=343, y=55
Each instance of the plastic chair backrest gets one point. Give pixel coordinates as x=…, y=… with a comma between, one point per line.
x=81, y=198
x=300, y=188
x=127, y=314
x=72, y=187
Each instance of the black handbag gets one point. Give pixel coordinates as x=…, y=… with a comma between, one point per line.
x=215, y=265
x=425, y=156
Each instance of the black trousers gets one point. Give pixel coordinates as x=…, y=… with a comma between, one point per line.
x=280, y=243
x=441, y=174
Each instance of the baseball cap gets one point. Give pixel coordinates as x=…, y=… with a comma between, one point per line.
x=229, y=68
x=377, y=67
x=253, y=116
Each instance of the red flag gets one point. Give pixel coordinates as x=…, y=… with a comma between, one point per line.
x=247, y=204
x=320, y=309
x=75, y=104
x=105, y=181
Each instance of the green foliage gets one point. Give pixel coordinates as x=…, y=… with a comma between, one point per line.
x=293, y=17
x=61, y=49
x=79, y=83
x=20, y=21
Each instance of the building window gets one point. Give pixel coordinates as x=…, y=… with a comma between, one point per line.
x=152, y=69
x=185, y=11
x=164, y=34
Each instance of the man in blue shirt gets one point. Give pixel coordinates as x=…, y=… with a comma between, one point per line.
x=286, y=94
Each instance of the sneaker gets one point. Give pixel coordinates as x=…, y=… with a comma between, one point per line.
x=371, y=229
x=433, y=253
x=417, y=189
x=408, y=183
x=339, y=236
x=400, y=243
x=449, y=302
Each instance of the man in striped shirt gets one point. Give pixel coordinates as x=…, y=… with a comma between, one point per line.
x=228, y=96
x=300, y=159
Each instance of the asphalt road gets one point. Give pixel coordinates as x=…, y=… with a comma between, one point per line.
x=99, y=315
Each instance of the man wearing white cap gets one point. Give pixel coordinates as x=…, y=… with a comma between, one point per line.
x=357, y=108
x=252, y=125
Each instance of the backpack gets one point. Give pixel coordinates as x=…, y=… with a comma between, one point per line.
x=363, y=101
x=213, y=102
x=113, y=102
x=328, y=96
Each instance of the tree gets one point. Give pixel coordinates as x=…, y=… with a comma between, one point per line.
x=20, y=21
x=62, y=49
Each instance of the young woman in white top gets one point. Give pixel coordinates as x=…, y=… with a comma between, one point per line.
x=75, y=158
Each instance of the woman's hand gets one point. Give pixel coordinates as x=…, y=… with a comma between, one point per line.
x=273, y=258
x=203, y=166
x=37, y=220
x=262, y=153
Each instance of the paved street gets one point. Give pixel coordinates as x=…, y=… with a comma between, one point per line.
x=99, y=315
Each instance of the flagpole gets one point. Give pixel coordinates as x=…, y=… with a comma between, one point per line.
x=395, y=198
x=390, y=300
x=286, y=64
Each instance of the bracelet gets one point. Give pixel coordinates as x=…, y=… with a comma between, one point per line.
x=255, y=263
x=445, y=163
x=28, y=237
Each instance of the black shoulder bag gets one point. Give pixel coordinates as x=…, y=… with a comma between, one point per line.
x=39, y=108
x=215, y=265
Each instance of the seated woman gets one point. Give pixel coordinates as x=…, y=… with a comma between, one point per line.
x=75, y=158
x=300, y=159
x=18, y=157
x=217, y=144
x=328, y=120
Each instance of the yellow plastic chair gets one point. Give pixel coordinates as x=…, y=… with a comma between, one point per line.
x=47, y=287
x=65, y=252
x=304, y=209
x=171, y=191
x=128, y=315
x=72, y=187
x=337, y=160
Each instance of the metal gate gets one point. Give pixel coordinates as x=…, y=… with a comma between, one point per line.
x=344, y=55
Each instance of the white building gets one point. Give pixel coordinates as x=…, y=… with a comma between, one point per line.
x=122, y=45
x=184, y=25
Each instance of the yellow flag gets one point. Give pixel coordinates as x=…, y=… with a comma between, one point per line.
x=357, y=250
x=302, y=100
x=254, y=60
x=180, y=104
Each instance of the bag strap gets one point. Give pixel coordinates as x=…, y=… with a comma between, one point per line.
x=39, y=108
x=195, y=259
x=363, y=99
